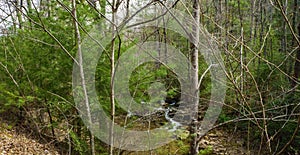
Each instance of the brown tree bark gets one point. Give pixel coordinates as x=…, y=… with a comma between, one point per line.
x=297, y=65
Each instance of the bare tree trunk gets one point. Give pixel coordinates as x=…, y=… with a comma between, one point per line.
x=297, y=64
x=29, y=8
x=294, y=42
x=226, y=24
x=241, y=51
x=194, y=148
x=284, y=37
x=294, y=21
x=19, y=4
x=78, y=43
x=112, y=74
x=50, y=117
x=49, y=8
x=252, y=27
x=218, y=15
x=14, y=22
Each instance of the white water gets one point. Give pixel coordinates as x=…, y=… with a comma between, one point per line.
x=173, y=124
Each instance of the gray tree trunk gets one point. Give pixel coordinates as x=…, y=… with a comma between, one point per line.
x=194, y=148
x=78, y=43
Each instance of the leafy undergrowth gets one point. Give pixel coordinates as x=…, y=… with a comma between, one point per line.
x=14, y=142
x=216, y=142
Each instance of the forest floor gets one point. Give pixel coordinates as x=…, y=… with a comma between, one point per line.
x=15, y=141
x=222, y=141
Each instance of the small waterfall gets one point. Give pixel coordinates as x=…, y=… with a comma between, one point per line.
x=174, y=124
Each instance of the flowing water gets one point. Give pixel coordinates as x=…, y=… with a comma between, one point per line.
x=167, y=110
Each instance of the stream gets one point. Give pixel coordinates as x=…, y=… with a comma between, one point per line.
x=168, y=110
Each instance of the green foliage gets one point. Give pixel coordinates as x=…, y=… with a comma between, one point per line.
x=145, y=75
x=224, y=117
x=36, y=73
x=79, y=144
x=175, y=147
x=206, y=151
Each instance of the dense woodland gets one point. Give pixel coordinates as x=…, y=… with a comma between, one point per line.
x=259, y=41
